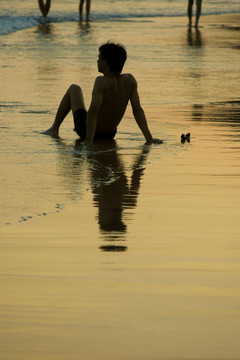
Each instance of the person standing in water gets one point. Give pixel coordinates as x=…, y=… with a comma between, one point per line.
x=198, y=12
x=44, y=7
x=88, y=4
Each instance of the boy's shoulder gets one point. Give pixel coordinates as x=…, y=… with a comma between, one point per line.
x=103, y=82
x=129, y=79
x=127, y=76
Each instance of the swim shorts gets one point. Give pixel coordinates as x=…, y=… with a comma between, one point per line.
x=80, y=117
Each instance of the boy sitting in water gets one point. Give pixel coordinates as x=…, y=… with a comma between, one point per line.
x=110, y=96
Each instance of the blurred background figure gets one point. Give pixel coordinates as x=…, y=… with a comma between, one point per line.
x=44, y=7
x=198, y=12
x=88, y=3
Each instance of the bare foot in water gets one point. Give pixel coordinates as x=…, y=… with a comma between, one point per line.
x=51, y=132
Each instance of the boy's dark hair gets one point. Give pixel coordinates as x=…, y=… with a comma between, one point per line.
x=115, y=54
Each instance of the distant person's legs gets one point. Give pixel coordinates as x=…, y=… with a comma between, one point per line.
x=198, y=13
x=72, y=100
x=81, y=4
x=81, y=9
x=190, y=6
x=44, y=7
x=88, y=9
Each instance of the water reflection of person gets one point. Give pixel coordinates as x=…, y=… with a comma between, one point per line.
x=45, y=29
x=112, y=192
x=198, y=12
x=194, y=38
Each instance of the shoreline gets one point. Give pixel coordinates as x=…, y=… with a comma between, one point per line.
x=228, y=18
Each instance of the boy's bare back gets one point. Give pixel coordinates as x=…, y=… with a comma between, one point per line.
x=113, y=95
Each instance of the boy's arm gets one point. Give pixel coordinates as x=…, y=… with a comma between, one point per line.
x=139, y=115
x=96, y=102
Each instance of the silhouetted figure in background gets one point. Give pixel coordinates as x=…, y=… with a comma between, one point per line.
x=88, y=3
x=44, y=7
x=198, y=12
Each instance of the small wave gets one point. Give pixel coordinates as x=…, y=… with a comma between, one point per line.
x=35, y=112
x=10, y=24
x=229, y=102
x=10, y=105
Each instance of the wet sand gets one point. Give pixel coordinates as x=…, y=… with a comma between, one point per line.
x=144, y=267
x=163, y=286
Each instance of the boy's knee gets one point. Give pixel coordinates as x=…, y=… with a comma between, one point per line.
x=74, y=88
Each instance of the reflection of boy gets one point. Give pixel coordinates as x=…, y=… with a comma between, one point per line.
x=110, y=96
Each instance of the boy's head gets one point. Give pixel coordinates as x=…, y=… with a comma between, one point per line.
x=115, y=54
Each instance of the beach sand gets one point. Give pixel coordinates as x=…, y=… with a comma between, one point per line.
x=144, y=268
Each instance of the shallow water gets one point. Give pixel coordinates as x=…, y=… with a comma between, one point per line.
x=142, y=260
x=146, y=264
x=173, y=66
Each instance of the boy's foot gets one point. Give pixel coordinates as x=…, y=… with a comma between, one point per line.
x=50, y=132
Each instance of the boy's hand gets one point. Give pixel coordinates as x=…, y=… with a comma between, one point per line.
x=86, y=143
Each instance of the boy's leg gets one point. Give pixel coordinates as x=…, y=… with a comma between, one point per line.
x=72, y=100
